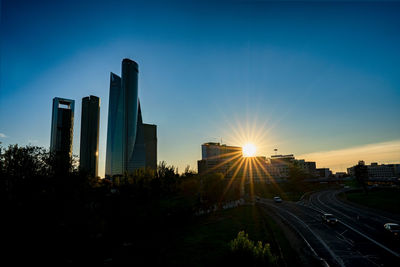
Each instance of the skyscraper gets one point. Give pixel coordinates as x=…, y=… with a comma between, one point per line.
x=89, y=147
x=126, y=140
x=62, y=128
x=150, y=140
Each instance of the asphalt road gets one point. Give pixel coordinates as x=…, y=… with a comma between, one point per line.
x=358, y=239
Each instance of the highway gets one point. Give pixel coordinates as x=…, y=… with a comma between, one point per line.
x=358, y=239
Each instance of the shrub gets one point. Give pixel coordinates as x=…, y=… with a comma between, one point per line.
x=245, y=251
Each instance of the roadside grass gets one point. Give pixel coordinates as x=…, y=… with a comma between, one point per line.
x=386, y=199
x=206, y=241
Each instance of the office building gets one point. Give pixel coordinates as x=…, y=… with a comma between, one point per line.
x=279, y=165
x=324, y=172
x=150, y=140
x=229, y=161
x=89, y=145
x=62, y=129
x=378, y=171
x=126, y=134
x=216, y=157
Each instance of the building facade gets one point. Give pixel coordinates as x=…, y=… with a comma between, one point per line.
x=150, y=140
x=62, y=130
x=279, y=166
x=229, y=161
x=216, y=157
x=324, y=172
x=89, y=143
x=126, y=133
x=379, y=171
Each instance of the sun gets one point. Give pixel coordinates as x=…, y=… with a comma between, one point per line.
x=249, y=150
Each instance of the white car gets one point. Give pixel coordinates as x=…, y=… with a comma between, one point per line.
x=277, y=199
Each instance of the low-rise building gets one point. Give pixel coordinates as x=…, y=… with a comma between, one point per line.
x=229, y=161
x=340, y=174
x=324, y=172
x=379, y=171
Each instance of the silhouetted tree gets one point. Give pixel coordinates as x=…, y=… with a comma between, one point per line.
x=213, y=186
x=296, y=177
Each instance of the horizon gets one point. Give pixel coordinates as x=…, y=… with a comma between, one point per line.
x=243, y=72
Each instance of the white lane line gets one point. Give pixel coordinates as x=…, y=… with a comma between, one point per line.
x=350, y=218
x=339, y=212
x=365, y=236
x=372, y=240
x=358, y=210
x=334, y=256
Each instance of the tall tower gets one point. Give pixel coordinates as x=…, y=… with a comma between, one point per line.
x=122, y=119
x=89, y=147
x=131, y=144
x=62, y=128
x=129, y=85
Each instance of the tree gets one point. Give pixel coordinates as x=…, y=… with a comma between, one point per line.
x=296, y=177
x=246, y=252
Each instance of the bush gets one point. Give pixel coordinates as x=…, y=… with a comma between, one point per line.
x=246, y=252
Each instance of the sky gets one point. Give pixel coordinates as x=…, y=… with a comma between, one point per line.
x=320, y=80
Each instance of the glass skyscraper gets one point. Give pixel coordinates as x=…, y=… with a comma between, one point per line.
x=62, y=130
x=89, y=147
x=126, y=140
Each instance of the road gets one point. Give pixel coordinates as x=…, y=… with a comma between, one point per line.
x=358, y=239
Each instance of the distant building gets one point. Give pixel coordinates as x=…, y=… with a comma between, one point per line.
x=324, y=172
x=62, y=129
x=308, y=166
x=219, y=158
x=279, y=165
x=340, y=174
x=89, y=145
x=127, y=136
x=150, y=140
x=379, y=171
x=229, y=161
x=395, y=168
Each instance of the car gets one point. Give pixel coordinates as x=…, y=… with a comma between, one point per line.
x=277, y=199
x=393, y=229
x=329, y=218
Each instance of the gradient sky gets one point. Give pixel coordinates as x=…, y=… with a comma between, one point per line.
x=306, y=78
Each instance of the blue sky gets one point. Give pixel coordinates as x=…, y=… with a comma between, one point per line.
x=300, y=77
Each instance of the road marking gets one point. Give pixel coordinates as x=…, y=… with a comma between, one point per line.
x=339, y=212
x=365, y=236
x=372, y=240
x=336, y=258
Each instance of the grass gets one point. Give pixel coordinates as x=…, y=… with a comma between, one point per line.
x=386, y=199
x=206, y=242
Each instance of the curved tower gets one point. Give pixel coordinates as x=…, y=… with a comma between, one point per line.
x=131, y=144
x=129, y=84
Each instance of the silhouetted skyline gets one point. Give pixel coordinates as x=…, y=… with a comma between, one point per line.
x=301, y=77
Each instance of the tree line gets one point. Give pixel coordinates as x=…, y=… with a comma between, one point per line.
x=78, y=218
